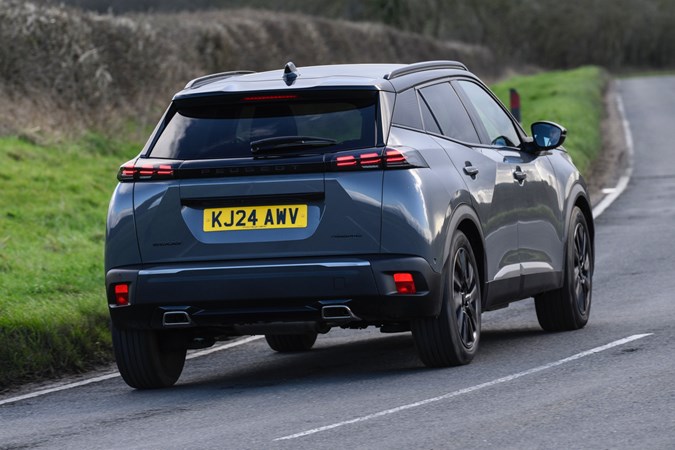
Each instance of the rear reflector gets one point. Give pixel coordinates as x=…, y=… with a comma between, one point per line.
x=121, y=294
x=405, y=284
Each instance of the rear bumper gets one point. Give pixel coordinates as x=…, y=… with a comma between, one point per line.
x=222, y=295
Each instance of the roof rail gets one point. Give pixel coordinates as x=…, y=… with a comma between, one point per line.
x=206, y=79
x=422, y=66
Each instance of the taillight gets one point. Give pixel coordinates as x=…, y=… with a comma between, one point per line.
x=121, y=294
x=389, y=158
x=394, y=156
x=405, y=284
x=146, y=170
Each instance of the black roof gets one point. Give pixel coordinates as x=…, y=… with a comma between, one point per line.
x=385, y=77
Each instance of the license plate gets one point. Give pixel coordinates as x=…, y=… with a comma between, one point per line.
x=255, y=218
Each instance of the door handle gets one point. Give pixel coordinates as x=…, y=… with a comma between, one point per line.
x=519, y=175
x=470, y=170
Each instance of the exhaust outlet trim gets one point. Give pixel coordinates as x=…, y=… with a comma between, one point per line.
x=338, y=313
x=176, y=319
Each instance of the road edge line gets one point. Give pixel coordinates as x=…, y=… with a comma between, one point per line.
x=625, y=178
x=108, y=376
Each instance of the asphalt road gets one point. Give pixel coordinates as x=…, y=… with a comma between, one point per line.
x=610, y=385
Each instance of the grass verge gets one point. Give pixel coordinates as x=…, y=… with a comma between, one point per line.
x=53, y=316
x=571, y=98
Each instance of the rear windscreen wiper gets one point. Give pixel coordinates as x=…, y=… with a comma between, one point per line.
x=283, y=143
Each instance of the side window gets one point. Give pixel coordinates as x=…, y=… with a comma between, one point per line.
x=407, y=110
x=497, y=123
x=430, y=123
x=450, y=114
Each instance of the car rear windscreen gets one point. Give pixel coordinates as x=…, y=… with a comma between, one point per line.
x=226, y=130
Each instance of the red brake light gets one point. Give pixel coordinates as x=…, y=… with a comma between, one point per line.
x=121, y=294
x=394, y=156
x=258, y=98
x=346, y=161
x=370, y=160
x=127, y=171
x=165, y=170
x=405, y=284
x=147, y=169
x=389, y=158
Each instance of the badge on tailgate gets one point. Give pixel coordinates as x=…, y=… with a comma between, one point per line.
x=255, y=217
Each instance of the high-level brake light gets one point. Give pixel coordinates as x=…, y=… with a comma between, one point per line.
x=259, y=98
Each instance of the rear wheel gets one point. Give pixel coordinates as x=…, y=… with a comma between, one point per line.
x=142, y=360
x=285, y=343
x=569, y=307
x=451, y=339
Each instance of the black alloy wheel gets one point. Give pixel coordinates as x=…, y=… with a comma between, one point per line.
x=582, y=268
x=452, y=338
x=569, y=307
x=465, y=295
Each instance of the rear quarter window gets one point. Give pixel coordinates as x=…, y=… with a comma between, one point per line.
x=407, y=110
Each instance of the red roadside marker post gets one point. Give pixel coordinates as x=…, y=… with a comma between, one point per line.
x=515, y=103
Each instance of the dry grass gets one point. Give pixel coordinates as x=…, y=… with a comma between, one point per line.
x=65, y=69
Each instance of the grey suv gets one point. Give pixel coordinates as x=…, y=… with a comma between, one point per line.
x=288, y=202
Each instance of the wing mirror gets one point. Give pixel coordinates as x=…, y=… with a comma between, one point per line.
x=548, y=135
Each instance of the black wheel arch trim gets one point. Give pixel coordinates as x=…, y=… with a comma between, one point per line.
x=465, y=219
x=579, y=197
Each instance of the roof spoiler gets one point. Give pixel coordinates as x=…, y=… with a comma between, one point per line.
x=422, y=66
x=206, y=79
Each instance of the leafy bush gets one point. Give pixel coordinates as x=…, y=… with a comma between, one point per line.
x=69, y=69
x=548, y=33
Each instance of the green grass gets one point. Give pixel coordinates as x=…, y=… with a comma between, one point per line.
x=53, y=203
x=571, y=98
x=53, y=315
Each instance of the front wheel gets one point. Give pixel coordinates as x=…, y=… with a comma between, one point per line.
x=143, y=361
x=452, y=338
x=569, y=307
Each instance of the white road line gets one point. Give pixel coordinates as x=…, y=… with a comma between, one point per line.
x=467, y=390
x=625, y=178
x=236, y=343
x=108, y=376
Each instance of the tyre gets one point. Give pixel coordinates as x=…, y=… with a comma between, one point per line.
x=569, y=307
x=452, y=338
x=143, y=362
x=285, y=343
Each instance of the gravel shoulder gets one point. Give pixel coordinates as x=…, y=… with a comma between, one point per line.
x=613, y=158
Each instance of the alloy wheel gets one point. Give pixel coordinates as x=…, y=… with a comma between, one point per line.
x=465, y=296
x=582, y=267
